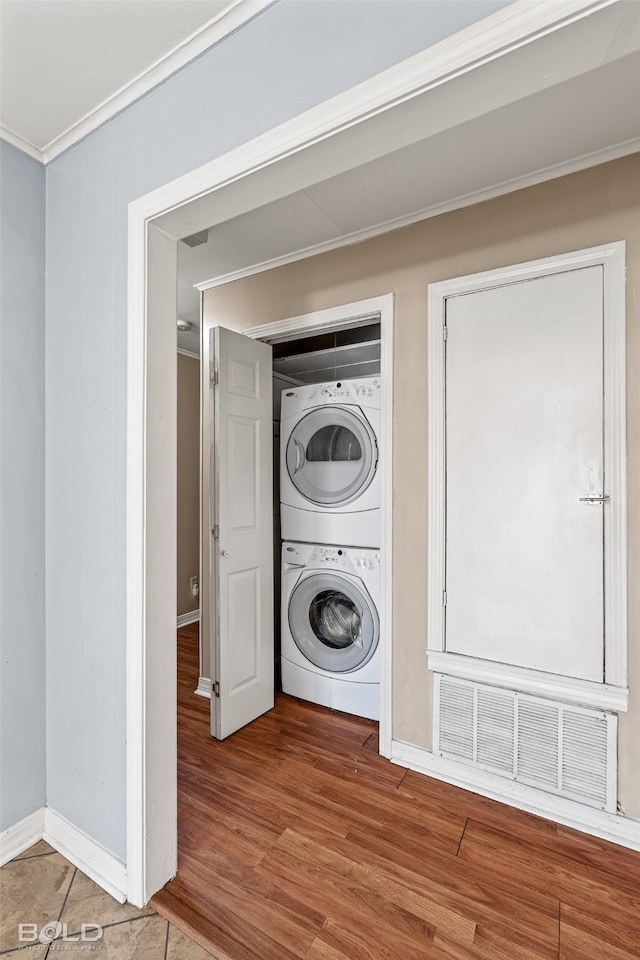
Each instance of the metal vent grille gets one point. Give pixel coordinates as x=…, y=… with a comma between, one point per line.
x=495, y=729
x=456, y=704
x=562, y=749
x=537, y=753
x=196, y=239
x=584, y=757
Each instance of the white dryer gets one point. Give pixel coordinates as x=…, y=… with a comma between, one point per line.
x=330, y=626
x=329, y=451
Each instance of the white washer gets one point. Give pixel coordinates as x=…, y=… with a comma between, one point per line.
x=330, y=626
x=329, y=477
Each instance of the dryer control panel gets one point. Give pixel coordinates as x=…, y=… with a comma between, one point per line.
x=364, y=393
x=363, y=388
x=345, y=391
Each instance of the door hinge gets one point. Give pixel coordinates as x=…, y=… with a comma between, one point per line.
x=445, y=333
x=215, y=688
x=444, y=598
x=214, y=376
x=216, y=532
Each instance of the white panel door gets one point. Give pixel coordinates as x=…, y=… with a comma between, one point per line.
x=524, y=448
x=242, y=534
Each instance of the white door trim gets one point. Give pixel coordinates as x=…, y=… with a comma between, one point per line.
x=613, y=693
x=240, y=180
x=339, y=318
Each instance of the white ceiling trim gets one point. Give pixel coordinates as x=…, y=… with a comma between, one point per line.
x=206, y=36
x=478, y=196
x=21, y=143
x=212, y=32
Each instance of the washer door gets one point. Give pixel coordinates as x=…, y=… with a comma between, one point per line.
x=332, y=455
x=334, y=622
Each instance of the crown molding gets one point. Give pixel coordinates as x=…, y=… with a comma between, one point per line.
x=211, y=33
x=519, y=23
x=477, y=196
x=17, y=141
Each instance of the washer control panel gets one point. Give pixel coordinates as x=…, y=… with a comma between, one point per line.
x=331, y=556
x=359, y=562
x=348, y=559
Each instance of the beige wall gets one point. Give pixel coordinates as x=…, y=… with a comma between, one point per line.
x=585, y=209
x=188, y=479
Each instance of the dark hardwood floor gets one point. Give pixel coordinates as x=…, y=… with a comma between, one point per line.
x=298, y=842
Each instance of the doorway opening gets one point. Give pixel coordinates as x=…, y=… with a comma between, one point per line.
x=329, y=349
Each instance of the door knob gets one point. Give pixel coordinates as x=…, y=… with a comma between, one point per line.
x=224, y=553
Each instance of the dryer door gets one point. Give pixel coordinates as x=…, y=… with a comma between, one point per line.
x=334, y=622
x=332, y=455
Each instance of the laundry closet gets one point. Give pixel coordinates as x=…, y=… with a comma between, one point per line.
x=295, y=440
x=326, y=504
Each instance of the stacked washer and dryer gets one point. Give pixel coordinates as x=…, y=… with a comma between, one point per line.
x=330, y=526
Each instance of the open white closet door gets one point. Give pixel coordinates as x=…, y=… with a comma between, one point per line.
x=242, y=531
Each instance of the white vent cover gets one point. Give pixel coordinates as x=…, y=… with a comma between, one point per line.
x=553, y=746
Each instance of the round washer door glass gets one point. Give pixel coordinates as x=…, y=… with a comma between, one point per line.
x=332, y=455
x=334, y=622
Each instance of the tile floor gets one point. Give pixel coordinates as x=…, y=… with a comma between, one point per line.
x=41, y=887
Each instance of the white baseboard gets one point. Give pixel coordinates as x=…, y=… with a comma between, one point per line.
x=204, y=687
x=94, y=860
x=90, y=857
x=21, y=836
x=598, y=823
x=185, y=618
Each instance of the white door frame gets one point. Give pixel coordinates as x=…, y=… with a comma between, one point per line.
x=337, y=135
x=613, y=693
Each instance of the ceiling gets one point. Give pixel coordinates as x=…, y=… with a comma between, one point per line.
x=562, y=104
x=558, y=104
x=67, y=65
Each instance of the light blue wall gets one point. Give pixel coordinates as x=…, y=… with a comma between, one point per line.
x=22, y=525
x=293, y=56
